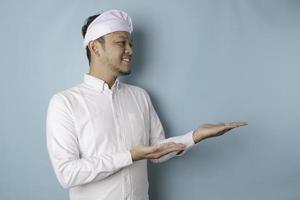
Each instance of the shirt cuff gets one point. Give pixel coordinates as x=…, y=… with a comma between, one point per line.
x=125, y=159
x=188, y=140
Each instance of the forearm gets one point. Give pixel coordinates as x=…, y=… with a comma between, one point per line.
x=73, y=172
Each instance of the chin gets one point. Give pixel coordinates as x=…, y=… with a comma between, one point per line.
x=124, y=73
x=124, y=70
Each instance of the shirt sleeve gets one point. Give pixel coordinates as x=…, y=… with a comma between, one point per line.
x=70, y=167
x=157, y=134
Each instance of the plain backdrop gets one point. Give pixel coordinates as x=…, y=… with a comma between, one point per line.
x=200, y=60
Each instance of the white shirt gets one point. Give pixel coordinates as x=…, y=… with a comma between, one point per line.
x=90, y=130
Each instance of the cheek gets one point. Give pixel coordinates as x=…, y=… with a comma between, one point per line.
x=116, y=53
x=114, y=57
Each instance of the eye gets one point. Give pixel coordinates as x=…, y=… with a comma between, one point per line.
x=122, y=43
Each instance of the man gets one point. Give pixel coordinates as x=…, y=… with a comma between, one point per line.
x=101, y=132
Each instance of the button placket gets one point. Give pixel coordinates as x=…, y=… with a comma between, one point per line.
x=117, y=113
x=118, y=118
x=110, y=95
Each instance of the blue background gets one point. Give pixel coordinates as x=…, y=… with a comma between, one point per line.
x=200, y=60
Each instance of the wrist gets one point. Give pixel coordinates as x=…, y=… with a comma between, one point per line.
x=134, y=155
x=197, y=137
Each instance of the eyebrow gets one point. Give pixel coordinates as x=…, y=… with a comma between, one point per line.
x=124, y=37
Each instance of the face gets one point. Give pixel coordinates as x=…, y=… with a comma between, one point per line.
x=117, y=52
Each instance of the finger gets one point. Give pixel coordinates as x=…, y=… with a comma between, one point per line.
x=169, y=150
x=170, y=147
x=156, y=155
x=240, y=123
x=161, y=147
x=173, y=147
x=236, y=124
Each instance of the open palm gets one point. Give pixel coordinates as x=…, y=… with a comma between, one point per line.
x=213, y=130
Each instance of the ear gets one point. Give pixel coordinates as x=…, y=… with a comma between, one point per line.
x=93, y=47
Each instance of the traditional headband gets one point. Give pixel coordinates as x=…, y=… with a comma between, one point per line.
x=108, y=22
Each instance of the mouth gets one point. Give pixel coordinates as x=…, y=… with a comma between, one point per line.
x=126, y=60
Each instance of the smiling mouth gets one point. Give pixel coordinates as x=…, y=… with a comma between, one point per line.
x=126, y=59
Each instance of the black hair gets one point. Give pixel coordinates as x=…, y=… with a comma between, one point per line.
x=88, y=21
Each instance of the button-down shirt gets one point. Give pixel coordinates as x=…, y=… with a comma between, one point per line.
x=90, y=131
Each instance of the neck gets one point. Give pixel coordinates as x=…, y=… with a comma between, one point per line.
x=103, y=74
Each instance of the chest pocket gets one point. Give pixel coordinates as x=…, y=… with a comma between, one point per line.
x=137, y=128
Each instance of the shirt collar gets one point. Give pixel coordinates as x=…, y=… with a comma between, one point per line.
x=98, y=83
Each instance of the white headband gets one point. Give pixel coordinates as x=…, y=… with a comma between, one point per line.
x=108, y=22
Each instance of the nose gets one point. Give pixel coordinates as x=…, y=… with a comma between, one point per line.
x=128, y=49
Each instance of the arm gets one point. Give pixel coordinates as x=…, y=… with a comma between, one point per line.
x=70, y=167
x=157, y=135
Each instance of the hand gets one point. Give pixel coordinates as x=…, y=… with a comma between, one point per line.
x=156, y=151
x=213, y=130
